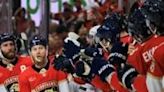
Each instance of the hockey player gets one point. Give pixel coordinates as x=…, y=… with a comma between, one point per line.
x=42, y=76
x=154, y=12
x=11, y=65
x=144, y=62
x=157, y=22
x=107, y=35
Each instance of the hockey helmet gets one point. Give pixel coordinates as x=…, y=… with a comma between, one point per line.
x=37, y=40
x=109, y=30
x=6, y=37
x=154, y=11
x=137, y=27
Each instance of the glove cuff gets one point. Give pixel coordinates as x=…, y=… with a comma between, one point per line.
x=118, y=55
x=128, y=77
x=105, y=71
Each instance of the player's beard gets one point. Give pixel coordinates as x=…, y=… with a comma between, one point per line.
x=9, y=55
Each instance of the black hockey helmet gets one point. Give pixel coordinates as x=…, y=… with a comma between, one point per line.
x=137, y=27
x=109, y=30
x=37, y=40
x=154, y=11
x=6, y=37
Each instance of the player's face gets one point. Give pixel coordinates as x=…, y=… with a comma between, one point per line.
x=106, y=43
x=38, y=53
x=8, y=49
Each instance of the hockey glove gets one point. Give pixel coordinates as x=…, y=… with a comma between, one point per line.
x=102, y=68
x=63, y=63
x=118, y=53
x=126, y=75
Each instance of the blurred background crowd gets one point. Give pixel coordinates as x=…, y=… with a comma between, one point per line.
x=71, y=17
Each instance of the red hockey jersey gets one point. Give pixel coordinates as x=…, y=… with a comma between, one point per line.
x=158, y=58
x=33, y=81
x=142, y=59
x=9, y=73
x=135, y=60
